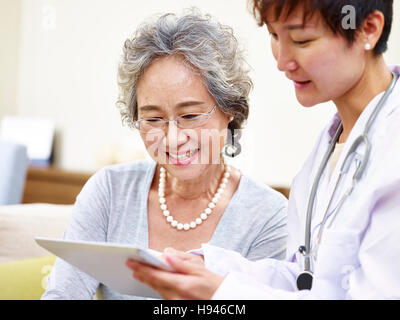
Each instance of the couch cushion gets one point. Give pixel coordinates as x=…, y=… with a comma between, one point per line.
x=20, y=224
x=25, y=279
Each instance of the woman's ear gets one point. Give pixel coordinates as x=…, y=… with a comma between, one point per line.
x=371, y=29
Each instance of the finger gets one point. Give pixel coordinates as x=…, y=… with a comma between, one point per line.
x=131, y=264
x=157, y=279
x=176, y=253
x=181, y=266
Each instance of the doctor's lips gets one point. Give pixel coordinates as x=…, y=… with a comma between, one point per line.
x=301, y=84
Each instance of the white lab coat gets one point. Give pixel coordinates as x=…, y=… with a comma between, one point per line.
x=359, y=255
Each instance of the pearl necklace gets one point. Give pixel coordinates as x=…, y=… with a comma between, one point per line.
x=186, y=226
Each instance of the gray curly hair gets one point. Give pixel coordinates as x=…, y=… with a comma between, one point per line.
x=208, y=47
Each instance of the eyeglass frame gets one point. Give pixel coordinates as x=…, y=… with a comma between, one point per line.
x=136, y=124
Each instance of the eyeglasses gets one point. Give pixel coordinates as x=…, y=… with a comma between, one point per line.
x=184, y=121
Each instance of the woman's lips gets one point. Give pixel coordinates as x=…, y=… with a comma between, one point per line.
x=301, y=84
x=182, y=159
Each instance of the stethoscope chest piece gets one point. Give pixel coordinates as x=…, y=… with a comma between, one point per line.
x=304, y=280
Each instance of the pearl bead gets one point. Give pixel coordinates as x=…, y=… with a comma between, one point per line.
x=203, y=215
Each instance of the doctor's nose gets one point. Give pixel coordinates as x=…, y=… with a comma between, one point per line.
x=285, y=60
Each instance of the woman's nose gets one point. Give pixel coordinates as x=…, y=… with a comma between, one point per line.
x=174, y=136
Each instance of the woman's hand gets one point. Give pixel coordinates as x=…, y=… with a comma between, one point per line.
x=190, y=281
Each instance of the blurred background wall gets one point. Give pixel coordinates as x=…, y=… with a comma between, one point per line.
x=10, y=40
x=58, y=59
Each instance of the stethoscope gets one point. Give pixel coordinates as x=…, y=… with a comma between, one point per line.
x=305, y=278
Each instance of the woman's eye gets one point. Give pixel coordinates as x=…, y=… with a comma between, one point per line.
x=190, y=116
x=153, y=119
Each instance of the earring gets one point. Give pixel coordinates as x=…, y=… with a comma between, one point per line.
x=233, y=147
x=368, y=46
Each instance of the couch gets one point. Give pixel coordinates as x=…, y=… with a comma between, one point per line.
x=24, y=266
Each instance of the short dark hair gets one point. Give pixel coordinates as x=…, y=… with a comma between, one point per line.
x=331, y=12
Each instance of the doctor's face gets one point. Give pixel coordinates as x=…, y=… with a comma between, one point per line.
x=321, y=65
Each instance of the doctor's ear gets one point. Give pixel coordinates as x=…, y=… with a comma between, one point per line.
x=371, y=29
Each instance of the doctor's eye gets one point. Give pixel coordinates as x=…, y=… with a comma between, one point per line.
x=301, y=43
x=273, y=36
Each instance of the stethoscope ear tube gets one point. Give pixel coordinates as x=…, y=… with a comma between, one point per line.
x=361, y=168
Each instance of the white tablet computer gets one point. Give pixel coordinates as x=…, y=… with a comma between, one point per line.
x=105, y=262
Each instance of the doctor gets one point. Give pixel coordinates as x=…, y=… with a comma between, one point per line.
x=344, y=207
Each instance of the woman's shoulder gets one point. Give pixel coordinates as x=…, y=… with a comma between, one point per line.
x=256, y=193
x=135, y=167
x=125, y=173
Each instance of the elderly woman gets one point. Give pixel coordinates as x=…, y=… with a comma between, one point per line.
x=183, y=85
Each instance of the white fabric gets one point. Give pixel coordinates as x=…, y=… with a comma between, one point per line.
x=359, y=255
